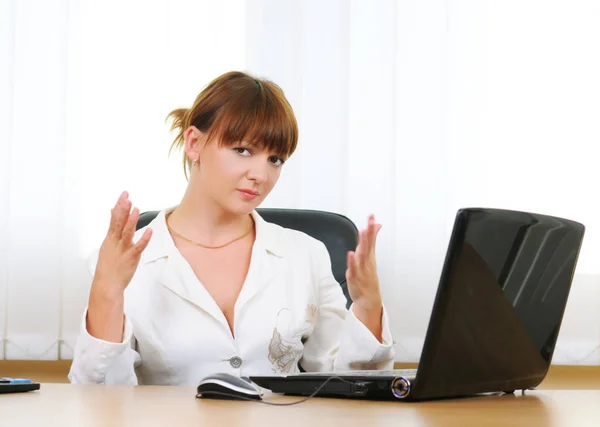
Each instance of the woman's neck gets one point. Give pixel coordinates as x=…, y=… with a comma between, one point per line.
x=200, y=219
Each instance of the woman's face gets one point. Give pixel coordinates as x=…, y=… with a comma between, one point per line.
x=239, y=177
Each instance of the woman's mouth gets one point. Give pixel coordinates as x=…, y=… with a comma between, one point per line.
x=248, y=194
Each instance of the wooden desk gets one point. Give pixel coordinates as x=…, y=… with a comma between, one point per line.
x=67, y=405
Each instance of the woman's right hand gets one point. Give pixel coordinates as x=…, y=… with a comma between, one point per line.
x=119, y=256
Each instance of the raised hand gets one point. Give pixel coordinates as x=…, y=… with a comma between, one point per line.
x=119, y=256
x=363, y=282
x=117, y=261
x=361, y=274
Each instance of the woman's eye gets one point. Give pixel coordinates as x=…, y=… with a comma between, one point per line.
x=276, y=160
x=241, y=150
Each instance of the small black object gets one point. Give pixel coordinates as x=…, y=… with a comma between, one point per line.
x=18, y=387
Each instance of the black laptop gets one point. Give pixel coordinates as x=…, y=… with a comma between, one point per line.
x=495, y=319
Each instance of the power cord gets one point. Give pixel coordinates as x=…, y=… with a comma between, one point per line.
x=314, y=393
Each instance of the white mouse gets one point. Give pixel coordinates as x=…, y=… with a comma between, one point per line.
x=227, y=386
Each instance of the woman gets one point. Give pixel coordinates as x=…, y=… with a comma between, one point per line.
x=209, y=286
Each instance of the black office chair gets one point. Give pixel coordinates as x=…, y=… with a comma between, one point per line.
x=337, y=232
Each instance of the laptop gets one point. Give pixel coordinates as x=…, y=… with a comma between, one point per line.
x=495, y=319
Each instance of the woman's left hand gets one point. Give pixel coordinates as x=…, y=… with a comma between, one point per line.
x=361, y=273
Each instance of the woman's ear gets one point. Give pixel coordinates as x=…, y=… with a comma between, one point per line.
x=194, y=141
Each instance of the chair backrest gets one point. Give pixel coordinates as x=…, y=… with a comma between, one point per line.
x=337, y=232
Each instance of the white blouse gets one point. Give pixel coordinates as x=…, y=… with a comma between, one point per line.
x=290, y=310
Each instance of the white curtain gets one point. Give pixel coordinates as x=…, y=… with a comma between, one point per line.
x=408, y=109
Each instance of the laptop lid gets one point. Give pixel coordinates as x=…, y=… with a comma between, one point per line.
x=500, y=302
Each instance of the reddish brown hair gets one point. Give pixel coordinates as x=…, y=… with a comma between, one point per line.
x=237, y=107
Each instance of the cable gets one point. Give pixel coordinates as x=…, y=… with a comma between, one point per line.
x=235, y=396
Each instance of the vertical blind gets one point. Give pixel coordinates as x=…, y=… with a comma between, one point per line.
x=408, y=109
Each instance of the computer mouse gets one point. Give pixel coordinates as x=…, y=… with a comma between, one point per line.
x=227, y=386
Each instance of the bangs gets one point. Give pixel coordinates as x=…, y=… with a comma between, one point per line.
x=258, y=115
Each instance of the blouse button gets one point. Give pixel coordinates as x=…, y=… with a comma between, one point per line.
x=235, y=361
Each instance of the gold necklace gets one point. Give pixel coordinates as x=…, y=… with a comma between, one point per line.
x=182, y=237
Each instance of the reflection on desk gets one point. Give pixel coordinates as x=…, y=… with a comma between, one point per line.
x=67, y=405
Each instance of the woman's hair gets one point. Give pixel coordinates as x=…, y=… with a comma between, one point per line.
x=237, y=107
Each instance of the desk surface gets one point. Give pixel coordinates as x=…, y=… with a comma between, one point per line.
x=67, y=405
